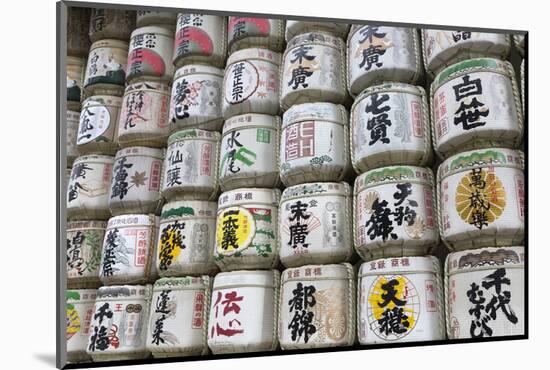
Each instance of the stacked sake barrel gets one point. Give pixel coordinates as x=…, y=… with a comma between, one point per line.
x=317, y=298
x=400, y=290
x=113, y=195
x=477, y=127
x=180, y=241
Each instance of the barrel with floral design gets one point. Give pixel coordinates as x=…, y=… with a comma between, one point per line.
x=186, y=238
x=196, y=100
x=317, y=307
x=481, y=199
x=247, y=235
x=136, y=179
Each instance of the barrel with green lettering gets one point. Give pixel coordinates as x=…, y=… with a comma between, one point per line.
x=249, y=155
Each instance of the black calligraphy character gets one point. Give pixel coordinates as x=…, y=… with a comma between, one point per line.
x=120, y=185
x=467, y=88
x=475, y=296
x=231, y=143
x=230, y=226
x=181, y=105
x=99, y=340
x=300, y=54
x=380, y=222
x=298, y=230
x=394, y=321
x=173, y=176
x=171, y=238
x=378, y=124
x=301, y=324
x=390, y=293
x=469, y=115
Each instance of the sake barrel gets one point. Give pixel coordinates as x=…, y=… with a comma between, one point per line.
x=128, y=249
x=191, y=165
x=378, y=54
x=250, y=152
x=243, y=312
x=394, y=210
x=196, y=100
x=106, y=67
x=317, y=307
x=294, y=28
x=179, y=310
x=248, y=32
x=400, y=300
x=150, y=55
x=390, y=125
x=251, y=83
x=152, y=18
x=519, y=43
x=80, y=308
x=200, y=38
x=315, y=224
x=119, y=325
x=111, y=24
x=444, y=48
x=88, y=188
x=313, y=70
x=476, y=104
x=98, y=125
x=314, y=143
x=78, y=23
x=481, y=199
x=84, y=243
x=75, y=78
x=72, y=120
x=186, y=239
x=247, y=235
x=144, y=115
x=484, y=292
x=135, y=184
